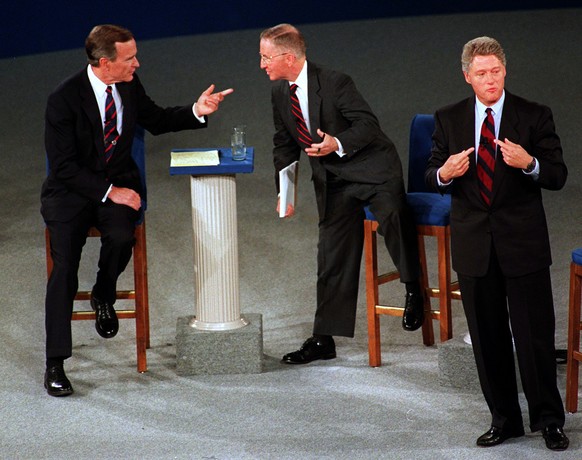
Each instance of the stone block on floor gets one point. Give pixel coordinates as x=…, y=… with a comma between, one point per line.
x=237, y=351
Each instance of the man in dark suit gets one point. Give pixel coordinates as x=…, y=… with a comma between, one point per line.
x=498, y=151
x=353, y=165
x=91, y=119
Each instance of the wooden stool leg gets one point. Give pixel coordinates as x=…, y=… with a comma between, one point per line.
x=427, y=327
x=574, y=327
x=141, y=307
x=370, y=247
x=444, y=275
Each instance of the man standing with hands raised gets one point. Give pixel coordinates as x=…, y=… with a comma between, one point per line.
x=497, y=152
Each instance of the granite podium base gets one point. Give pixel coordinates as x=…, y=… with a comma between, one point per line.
x=238, y=351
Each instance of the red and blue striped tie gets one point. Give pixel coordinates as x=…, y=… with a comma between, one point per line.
x=486, y=157
x=110, y=134
x=302, y=131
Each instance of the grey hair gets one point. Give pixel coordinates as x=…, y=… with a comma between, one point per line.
x=286, y=37
x=100, y=42
x=481, y=46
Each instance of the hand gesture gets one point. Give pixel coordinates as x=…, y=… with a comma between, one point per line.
x=514, y=155
x=327, y=145
x=455, y=166
x=208, y=101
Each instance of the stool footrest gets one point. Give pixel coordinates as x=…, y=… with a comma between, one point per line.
x=86, y=295
x=388, y=310
x=387, y=277
x=124, y=314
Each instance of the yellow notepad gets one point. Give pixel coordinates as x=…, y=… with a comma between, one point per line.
x=194, y=158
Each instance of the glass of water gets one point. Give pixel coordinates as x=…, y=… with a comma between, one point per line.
x=238, y=143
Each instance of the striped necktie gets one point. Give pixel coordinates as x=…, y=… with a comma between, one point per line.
x=302, y=131
x=486, y=157
x=110, y=134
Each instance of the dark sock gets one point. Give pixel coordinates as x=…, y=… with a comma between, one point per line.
x=326, y=339
x=54, y=362
x=412, y=287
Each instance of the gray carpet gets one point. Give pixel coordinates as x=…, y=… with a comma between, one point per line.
x=339, y=409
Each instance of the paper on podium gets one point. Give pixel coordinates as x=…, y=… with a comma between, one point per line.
x=287, y=187
x=194, y=158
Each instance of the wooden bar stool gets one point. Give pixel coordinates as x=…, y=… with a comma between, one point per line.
x=431, y=214
x=574, y=328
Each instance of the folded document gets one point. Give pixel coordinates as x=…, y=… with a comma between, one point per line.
x=287, y=187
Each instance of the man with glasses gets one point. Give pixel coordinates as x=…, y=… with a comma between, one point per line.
x=354, y=164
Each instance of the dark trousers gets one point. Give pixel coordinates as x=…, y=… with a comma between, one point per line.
x=117, y=226
x=497, y=309
x=341, y=239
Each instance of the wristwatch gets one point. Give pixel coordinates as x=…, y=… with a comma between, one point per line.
x=531, y=166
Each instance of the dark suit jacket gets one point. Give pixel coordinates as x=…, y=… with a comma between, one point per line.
x=75, y=149
x=515, y=223
x=337, y=108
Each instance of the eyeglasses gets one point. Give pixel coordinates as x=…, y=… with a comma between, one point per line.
x=268, y=59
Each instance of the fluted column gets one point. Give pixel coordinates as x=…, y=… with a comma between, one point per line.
x=214, y=222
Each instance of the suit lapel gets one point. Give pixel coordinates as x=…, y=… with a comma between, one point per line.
x=128, y=115
x=91, y=109
x=507, y=130
x=313, y=88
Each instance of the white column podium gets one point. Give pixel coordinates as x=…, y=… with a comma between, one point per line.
x=217, y=339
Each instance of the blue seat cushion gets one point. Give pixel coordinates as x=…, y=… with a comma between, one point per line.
x=430, y=208
x=427, y=208
x=577, y=256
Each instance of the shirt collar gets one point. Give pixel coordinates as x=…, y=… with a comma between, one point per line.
x=495, y=108
x=301, y=81
x=98, y=86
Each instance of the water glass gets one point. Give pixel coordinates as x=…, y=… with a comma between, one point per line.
x=238, y=143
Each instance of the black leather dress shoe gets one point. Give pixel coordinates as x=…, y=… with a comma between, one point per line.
x=313, y=348
x=413, y=315
x=496, y=436
x=106, y=321
x=56, y=382
x=555, y=438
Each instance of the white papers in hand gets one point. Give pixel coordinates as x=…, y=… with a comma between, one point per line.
x=194, y=158
x=287, y=183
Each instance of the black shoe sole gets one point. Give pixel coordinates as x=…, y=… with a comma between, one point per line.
x=59, y=392
x=324, y=357
x=105, y=334
x=413, y=328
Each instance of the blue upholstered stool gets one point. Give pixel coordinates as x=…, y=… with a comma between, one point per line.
x=431, y=213
x=574, y=328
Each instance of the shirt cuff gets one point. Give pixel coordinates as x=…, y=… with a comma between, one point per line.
x=442, y=184
x=535, y=172
x=107, y=194
x=340, y=151
x=200, y=119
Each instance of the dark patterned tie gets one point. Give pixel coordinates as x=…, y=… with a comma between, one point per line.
x=110, y=134
x=302, y=131
x=486, y=157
